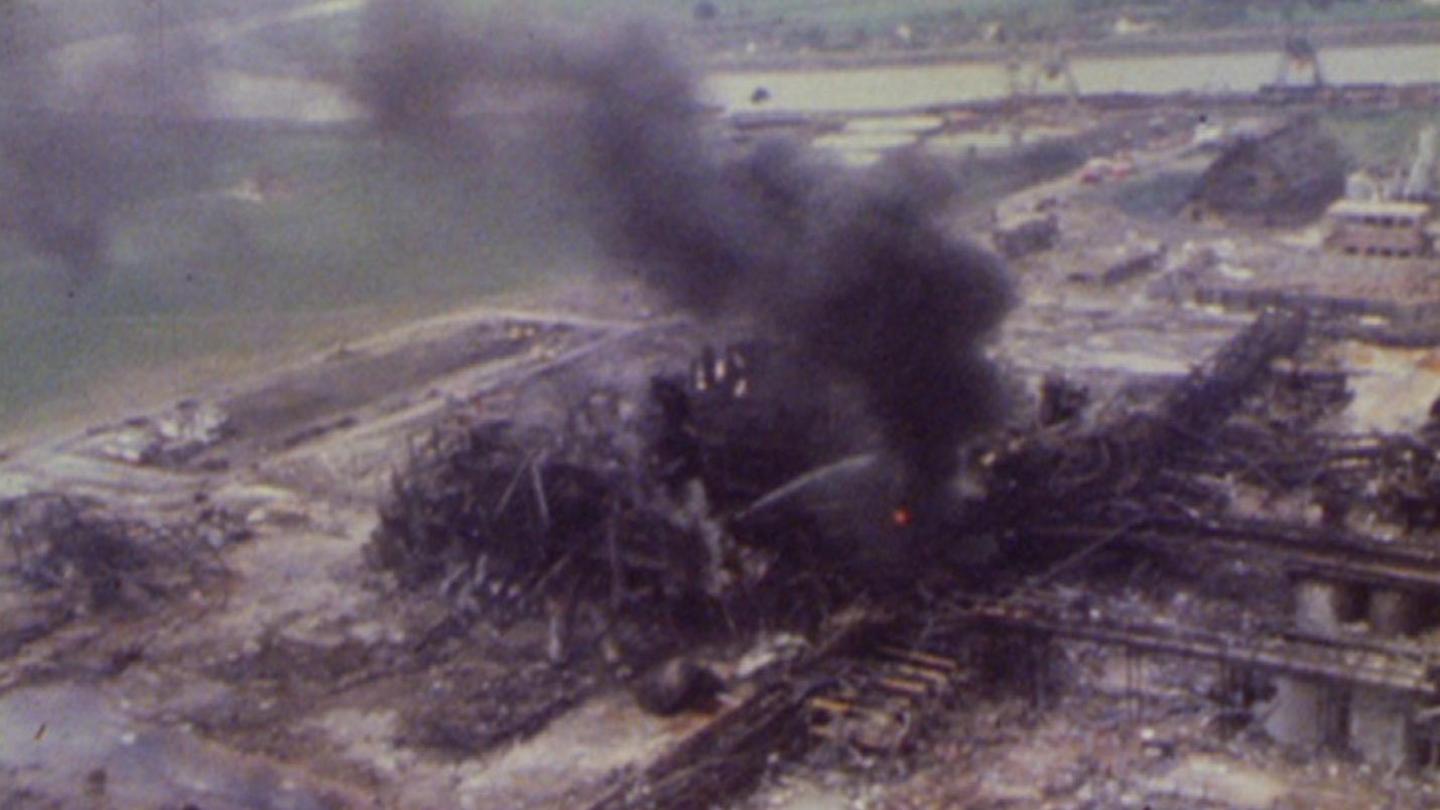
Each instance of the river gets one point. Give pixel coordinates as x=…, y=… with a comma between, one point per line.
x=906, y=87
x=237, y=95
x=915, y=86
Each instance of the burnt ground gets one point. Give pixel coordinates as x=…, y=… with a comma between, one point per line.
x=290, y=656
x=300, y=677
x=265, y=663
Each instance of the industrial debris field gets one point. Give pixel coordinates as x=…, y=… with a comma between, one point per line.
x=682, y=437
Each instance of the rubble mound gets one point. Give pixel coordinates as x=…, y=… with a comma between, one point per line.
x=504, y=518
x=471, y=710
x=73, y=556
x=1284, y=178
x=622, y=519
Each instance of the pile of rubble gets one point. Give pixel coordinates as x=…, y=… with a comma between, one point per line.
x=73, y=556
x=683, y=523
x=621, y=524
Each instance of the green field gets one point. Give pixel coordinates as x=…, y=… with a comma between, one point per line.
x=362, y=233
x=200, y=285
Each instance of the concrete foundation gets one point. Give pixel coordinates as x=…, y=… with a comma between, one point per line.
x=1322, y=607
x=1380, y=727
x=1307, y=714
x=1303, y=713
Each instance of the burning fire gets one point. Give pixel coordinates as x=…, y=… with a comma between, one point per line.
x=902, y=516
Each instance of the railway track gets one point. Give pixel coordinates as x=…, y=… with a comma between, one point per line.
x=880, y=701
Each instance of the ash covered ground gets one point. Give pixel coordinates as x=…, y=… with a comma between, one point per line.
x=1026, y=478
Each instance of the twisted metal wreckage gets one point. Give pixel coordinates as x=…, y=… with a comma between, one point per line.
x=708, y=514
x=700, y=518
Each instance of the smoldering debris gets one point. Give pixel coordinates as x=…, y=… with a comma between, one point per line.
x=1137, y=467
x=1254, y=423
x=66, y=543
x=623, y=536
x=1080, y=492
x=744, y=419
x=509, y=523
x=469, y=711
x=78, y=556
x=615, y=523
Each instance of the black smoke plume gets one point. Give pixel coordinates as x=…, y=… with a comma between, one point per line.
x=78, y=143
x=415, y=63
x=856, y=268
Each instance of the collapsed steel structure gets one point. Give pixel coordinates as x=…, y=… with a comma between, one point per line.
x=650, y=524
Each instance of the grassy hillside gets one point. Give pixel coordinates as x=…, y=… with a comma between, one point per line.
x=355, y=233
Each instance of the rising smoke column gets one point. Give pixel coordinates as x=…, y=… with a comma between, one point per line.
x=75, y=149
x=853, y=267
x=415, y=62
x=43, y=161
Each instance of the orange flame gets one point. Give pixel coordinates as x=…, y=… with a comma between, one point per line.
x=902, y=516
